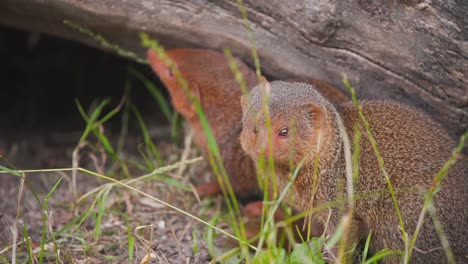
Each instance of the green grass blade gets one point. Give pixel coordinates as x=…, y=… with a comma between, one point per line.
x=356, y=150
x=175, y=183
x=336, y=237
x=303, y=253
x=90, y=120
x=146, y=137
x=210, y=236
x=125, y=117
x=155, y=93
x=49, y=194
x=77, y=222
x=245, y=21
x=130, y=238
x=106, y=144
x=176, y=125
x=434, y=189
x=195, y=242
x=137, y=164
x=442, y=236
x=238, y=76
x=44, y=218
x=381, y=254
x=149, y=163
x=109, y=115
x=366, y=248
x=28, y=242
x=93, y=125
x=101, y=205
x=10, y=171
x=104, y=42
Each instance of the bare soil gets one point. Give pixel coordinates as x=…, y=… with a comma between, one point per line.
x=167, y=232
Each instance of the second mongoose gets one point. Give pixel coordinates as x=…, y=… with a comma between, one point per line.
x=212, y=82
x=304, y=127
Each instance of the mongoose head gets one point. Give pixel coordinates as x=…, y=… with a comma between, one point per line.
x=209, y=79
x=211, y=82
x=298, y=115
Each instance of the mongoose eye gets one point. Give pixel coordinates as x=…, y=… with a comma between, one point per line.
x=284, y=132
x=255, y=130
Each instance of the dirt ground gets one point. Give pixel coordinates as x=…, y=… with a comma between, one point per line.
x=39, y=128
x=171, y=235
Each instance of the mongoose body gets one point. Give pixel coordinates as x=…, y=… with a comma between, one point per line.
x=304, y=125
x=211, y=80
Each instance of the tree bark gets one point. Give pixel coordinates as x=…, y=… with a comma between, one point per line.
x=414, y=51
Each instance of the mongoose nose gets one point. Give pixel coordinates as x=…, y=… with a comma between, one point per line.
x=262, y=151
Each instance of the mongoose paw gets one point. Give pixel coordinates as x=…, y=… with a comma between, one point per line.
x=208, y=189
x=254, y=209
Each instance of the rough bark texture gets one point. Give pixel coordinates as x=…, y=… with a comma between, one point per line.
x=415, y=51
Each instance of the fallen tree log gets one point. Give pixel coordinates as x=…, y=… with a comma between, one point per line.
x=414, y=51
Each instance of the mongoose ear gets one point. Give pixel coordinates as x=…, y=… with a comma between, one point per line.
x=314, y=113
x=244, y=101
x=265, y=87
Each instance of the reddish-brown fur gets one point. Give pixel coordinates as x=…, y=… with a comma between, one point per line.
x=413, y=147
x=212, y=81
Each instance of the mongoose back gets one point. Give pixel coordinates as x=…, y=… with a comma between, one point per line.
x=211, y=80
x=414, y=148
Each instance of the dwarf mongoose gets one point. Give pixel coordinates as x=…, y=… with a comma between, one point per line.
x=211, y=80
x=413, y=146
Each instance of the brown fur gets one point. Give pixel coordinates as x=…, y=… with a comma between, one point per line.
x=413, y=147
